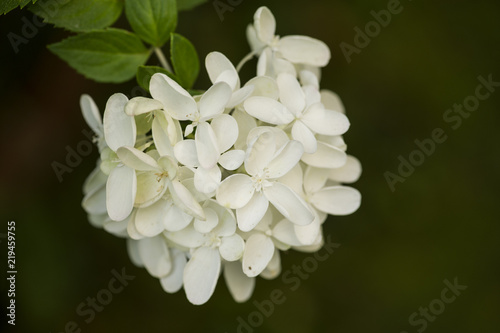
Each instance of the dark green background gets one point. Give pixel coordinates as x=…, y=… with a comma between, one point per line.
x=395, y=252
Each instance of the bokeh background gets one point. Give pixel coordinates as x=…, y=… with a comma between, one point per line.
x=395, y=252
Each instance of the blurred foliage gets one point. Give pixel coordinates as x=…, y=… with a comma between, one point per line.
x=395, y=252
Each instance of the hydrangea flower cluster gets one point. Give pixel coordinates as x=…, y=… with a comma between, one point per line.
x=225, y=180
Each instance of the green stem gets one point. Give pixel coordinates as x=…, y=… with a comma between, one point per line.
x=163, y=60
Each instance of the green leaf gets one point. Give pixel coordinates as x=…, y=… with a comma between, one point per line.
x=185, y=60
x=189, y=4
x=144, y=74
x=8, y=5
x=79, y=15
x=152, y=20
x=110, y=55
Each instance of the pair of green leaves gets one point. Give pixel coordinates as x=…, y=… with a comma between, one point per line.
x=185, y=62
x=114, y=55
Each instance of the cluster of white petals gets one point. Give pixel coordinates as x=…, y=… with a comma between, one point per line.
x=224, y=181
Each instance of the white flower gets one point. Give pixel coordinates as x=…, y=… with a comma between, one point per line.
x=203, y=156
x=306, y=117
x=264, y=241
x=220, y=69
x=180, y=105
x=210, y=241
x=265, y=162
x=296, y=49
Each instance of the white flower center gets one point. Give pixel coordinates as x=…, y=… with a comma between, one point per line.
x=260, y=180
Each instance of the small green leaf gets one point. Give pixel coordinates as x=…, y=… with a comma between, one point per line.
x=188, y=4
x=152, y=20
x=110, y=55
x=8, y=5
x=144, y=74
x=185, y=60
x=79, y=15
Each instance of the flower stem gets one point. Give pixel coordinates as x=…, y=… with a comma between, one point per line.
x=247, y=58
x=163, y=60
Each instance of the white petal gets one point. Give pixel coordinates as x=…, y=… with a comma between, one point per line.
x=91, y=114
x=172, y=283
x=141, y=105
x=285, y=159
x=175, y=219
x=259, y=250
x=186, y=153
x=348, y=173
x=284, y=232
x=260, y=153
x=250, y=215
x=294, y=179
x=217, y=63
x=212, y=219
x=337, y=200
x=304, y=50
x=303, y=134
x=245, y=124
x=308, y=78
x=131, y=230
x=155, y=256
x=253, y=39
x=289, y=204
x=214, y=101
x=291, y=94
x=232, y=159
x=201, y=274
x=187, y=237
x=268, y=110
x=161, y=139
x=206, y=146
x=150, y=188
x=264, y=87
x=176, y=101
x=232, y=247
x=117, y=228
x=149, y=220
x=326, y=122
x=136, y=159
x=332, y=101
x=96, y=179
x=265, y=24
x=95, y=201
x=185, y=200
x=207, y=180
x=121, y=189
x=119, y=128
x=240, y=286
x=308, y=234
x=133, y=252
x=315, y=179
x=326, y=156
x=225, y=128
x=273, y=269
x=235, y=191
x=239, y=96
